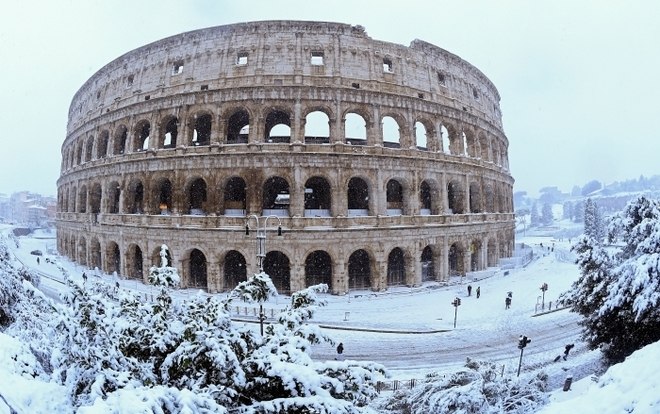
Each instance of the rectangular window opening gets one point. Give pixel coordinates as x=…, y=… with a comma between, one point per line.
x=441, y=78
x=204, y=87
x=177, y=67
x=387, y=65
x=129, y=80
x=317, y=58
x=420, y=95
x=242, y=58
x=475, y=93
x=355, y=85
x=147, y=97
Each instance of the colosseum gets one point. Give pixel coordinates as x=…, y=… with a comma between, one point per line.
x=381, y=164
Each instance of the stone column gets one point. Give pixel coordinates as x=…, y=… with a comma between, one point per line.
x=297, y=276
x=339, y=277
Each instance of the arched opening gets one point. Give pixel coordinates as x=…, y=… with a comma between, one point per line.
x=235, y=197
x=421, y=140
x=156, y=259
x=197, y=270
x=238, y=127
x=119, y=145
x=359, y=270
x=197, y=197
x=318, y=269
x=455, y=260
x=455, y=198
x=114, y=195
x=475, y=256
x=135, y=202
x=492, y=253
x=489, y=198
x=317, y=128
x=171, y=133
x=134, y=262
x=113, y=258
x=475, y=198
x=102, y=147
x=276, y=265
x=95, y=254
x=82, y=251
x=89, y=149
x=394, y=198
x=391, y=133
x=201, y=134
x=82, y=200
x=428, y=270
x=79, y=154
x=358, y=197
x=142, y=132
x=276, y=197
x=425, y=199
x=278, y=127
x=164, y=196
x=317, y=197
x=444, y=138
x=235, y=269
x=74, y=199
x=396, y=268
x=95, y=199
x=355, y=129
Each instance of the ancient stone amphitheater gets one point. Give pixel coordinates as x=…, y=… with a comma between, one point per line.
x=383, y=164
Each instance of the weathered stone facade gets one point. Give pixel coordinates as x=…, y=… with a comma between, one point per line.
x=404, y=179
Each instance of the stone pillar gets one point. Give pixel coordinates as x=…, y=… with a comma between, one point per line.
x=379, y=196
x=214, y=276
x=441, y=260
x=297, y=196
x=297, y=276
x=413, y=268
x=466, y=199
x=217, y=128
x=411, y=197
x=298, y=124
x=339, y=277
x=379, y=273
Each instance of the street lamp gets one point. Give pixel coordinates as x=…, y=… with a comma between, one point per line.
x=456, y=303
x=261, y=251
x=522, y=343
x=543, y=288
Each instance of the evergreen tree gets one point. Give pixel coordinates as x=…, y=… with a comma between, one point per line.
x=578, y=212
x=535, y=219
x=546, y=214
x=567, y=212
x=619, y=293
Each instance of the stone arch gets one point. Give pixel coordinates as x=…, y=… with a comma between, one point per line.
x=318, y=269
x=82, y=199
x=235, y=197
x=421, y=136
x=197, y=276
x=234, y=268
x=427, y=265
x=196, y=196
x=134, y=197
x=317, y=127
x=394, y=197
x=355, y=128
x=141, y=133
x=169, y=132
x=201, y=124
x=475, y=197
x=162, y=196
x=396, y=267
x=454, y=140
x=318, y=197
x=89, y=149
x=455, y=197
x=74, y=199
x=156, y=259
x=492, y=254
x=95, y=254
x=484, y=146
x=278, y=126
x=114, y=197
x=238, y=126
x=358, y=197
x=360, y=264
x=426, y=199
x=120, y=140
x=82, y=251
x=79, y=153
x=102, y=145
x=276, y=196
x=95, y=196
x=391, y=131
x=471, y=143
x=456, y=259
x=277, y=266
x=476, y=252
x=134, y=262
x=489, y=199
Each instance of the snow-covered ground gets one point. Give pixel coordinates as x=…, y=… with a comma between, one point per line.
x=411, y=330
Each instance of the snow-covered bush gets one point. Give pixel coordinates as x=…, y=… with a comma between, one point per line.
x=164, y=275
x=619, y=292
x=475, y=389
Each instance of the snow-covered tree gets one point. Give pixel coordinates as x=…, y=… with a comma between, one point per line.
x=546, y=214
x=535, y=219
x=477, y=388
x=619, y=293
x=594, y=226
x=164, y=275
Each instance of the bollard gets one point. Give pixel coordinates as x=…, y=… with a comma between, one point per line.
x=346, y=315
x=567, y=383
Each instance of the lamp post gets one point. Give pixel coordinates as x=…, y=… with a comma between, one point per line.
x=522, y=343
x=543, y=288
x=261, y=251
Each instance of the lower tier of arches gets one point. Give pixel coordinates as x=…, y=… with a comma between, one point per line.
x=345, y=259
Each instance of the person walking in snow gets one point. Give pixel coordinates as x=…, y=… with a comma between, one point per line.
x=340, y=350
x=507, y=302
x=478, y=291
x=567, y=349
x=469, y=290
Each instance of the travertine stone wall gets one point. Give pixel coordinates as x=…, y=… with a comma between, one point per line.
x=176, y=143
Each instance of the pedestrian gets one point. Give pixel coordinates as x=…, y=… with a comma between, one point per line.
x=84, y=276
x=340, y=350
x=507, y=302
x=37, y=260
x=567, y=349
x=478, y=291
x=469, y=290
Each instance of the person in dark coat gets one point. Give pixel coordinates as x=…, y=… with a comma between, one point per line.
x=340, y=350
x=567, y=349
x=469, y=290
x=478, y=291
x=507, y=302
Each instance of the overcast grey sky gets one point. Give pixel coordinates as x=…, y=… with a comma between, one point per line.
x=578, y=79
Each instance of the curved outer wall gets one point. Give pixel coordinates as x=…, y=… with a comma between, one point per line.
x=181, y=140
